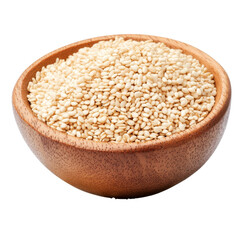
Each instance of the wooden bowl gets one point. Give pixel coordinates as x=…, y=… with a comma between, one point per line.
x=123, y=170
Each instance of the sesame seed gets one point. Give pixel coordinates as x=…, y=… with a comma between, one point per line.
x=157, y=129
x=134, y=114
x=184, y=102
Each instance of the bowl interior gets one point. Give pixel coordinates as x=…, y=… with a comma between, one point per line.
x=22, y=105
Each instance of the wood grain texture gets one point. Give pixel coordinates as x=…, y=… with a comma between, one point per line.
x=123, y=170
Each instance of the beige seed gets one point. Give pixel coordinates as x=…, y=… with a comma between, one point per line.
x=138, y=94
x=132, y=138
x=134, y=68
x=85, y=112
x=147, y=110
x=184, y=102
x=157, y=129
x=128, y=85
x=183, y=113
x=131, y=123
x=134, y=114
x=102, y=119
x=181, y=126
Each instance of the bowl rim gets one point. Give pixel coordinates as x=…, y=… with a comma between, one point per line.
x=22, y=107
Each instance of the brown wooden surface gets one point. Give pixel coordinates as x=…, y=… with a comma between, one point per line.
x=123, y=170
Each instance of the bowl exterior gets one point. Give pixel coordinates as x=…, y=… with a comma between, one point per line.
x=124, y=174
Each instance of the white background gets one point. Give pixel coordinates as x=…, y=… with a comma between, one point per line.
x=35, y=204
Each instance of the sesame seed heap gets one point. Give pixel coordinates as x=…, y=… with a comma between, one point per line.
x=123, y=91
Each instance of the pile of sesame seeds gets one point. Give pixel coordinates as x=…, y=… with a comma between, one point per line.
x=123, y=91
